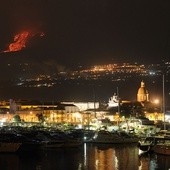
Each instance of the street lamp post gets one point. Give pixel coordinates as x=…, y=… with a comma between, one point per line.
x=163, y=99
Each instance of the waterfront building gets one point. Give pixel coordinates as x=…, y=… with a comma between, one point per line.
x=155, y=116
x=81, y=112
x=84, y=105
x=30, y=111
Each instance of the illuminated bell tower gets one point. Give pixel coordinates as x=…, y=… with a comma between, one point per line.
x=143, y=95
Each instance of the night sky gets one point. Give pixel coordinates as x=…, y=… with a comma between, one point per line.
x=81, y=32
x=90, y=31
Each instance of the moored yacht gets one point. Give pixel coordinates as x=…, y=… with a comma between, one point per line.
x=162, y=146
x=145, y=144
x=107, y=137
x=9, y=147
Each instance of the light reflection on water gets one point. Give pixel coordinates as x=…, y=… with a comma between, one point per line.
x=111, y=157
x=89, y=157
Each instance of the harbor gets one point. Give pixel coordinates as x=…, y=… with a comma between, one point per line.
x=30, y=126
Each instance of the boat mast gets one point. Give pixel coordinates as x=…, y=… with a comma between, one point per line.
x=118, y=106
x=163, y=99
x=94, y=96
x=118, y=100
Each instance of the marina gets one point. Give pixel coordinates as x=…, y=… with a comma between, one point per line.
x=44, y=137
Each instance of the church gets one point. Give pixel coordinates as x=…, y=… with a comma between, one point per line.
x=142, y=95
x=151, y=111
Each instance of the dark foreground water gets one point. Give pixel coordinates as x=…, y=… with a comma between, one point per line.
x=88, y=157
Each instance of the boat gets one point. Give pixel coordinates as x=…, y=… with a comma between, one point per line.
x=62, y=144
x=27, y=141
x=8, y=142
x=157, y=144
x=106, y=137
x=6, y=147
x=162, y=146
x=145, y=144
x=69, y=140
x=50, y=145
x=58, y=139
x=72, y=142
x=47, y=140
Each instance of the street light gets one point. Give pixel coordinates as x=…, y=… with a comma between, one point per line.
x=163, y=97
x=156, y=101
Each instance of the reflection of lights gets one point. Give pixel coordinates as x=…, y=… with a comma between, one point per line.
x=97, y=163
x=85, y=154
x=116, y=162
x=80, y=166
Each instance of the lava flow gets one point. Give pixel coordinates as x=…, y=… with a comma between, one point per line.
x=20, y=40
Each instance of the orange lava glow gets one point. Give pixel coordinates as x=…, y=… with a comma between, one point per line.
x=20, y=40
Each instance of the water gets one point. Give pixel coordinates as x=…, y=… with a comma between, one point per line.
x=87, y=157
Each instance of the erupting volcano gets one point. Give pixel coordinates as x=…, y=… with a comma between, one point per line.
x=21, y=39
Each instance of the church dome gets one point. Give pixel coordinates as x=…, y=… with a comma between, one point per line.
x=143, y=94
x=142, y=90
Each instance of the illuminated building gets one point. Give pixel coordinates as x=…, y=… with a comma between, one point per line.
x=149, y=107
x=51, y=112
x=84, y=105
x=143, y=95
x=113, y=101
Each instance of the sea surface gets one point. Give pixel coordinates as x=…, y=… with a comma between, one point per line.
x=86, y=157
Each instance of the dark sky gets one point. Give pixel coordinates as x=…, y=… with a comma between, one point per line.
x=91, y=31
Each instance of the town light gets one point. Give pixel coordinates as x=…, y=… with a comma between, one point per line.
x=156, y=101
